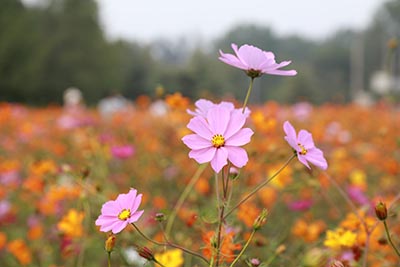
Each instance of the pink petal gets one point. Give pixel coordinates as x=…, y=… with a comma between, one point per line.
x=305, y=138
x=110, y=208
x=136, y=203
x=236, y=122
x=126, y=201
x=194, y=141
x=240, y=138
x=218, y=119
x=237, y=156
x=303, y=160
x=134, y=217
x=220, y=159
x=316, y=157
x=118, y=227
x=291, y=136
x=203, y=155
x=200, y=126
x=107, y=226
x=280, y=72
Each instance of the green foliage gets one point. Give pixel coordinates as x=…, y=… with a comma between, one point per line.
x=47, y=48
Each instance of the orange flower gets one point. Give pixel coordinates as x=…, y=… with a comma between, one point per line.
x=20, y=251
x=71, y=223
x=177, y=101
x=35, y=232
x=309, y=232
x=248, y=213
x=3, y=240
x=228, y=247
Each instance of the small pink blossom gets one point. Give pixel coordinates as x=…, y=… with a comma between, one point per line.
x=300, y=205
x=117, y=214
x=255, y=61
x=304, y=147
x=203, y=106
x=122, y=152
x=218, y=138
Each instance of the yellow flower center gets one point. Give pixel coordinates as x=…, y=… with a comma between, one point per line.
x=218, y=140
x=124, y=215
x=303, y=149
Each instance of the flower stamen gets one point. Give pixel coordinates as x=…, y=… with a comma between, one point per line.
x=218, y=140
x=303, y=149
x=124, y=215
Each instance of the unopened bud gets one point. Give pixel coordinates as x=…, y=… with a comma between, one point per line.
x=233, y=173
x=254, y=262
x=160, y=217
x=381, y=211
x=110, y=243
x=260, y=220
x=146, y=253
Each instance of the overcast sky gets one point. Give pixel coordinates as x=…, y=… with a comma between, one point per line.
x=147, y=20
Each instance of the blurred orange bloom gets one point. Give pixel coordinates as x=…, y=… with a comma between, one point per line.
x=71, y=224
x=20, y=251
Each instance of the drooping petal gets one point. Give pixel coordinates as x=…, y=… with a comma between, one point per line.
x=303, y=160
x=218, y=119
x=316, y=157
x=194, y=141
x=203, y=155
x=200, y=126
x=237, y=156
x=220, y=159
x=241, y=138
x=280, y=72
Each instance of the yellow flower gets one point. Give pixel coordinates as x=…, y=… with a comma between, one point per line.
x=340, y=238
x=71, y=223
x=170, y=258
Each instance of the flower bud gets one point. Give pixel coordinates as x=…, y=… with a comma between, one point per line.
x=254, y=262
x=381, y=211
x=110, y=243
x=160, y=217
x=260, y=220
x=146, y=253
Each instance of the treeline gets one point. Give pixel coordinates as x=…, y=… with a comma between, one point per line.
x=47, y=48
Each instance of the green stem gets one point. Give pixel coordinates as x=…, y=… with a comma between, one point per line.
x=244, y=248
x=390, y=239
x=248, y=95
x=109, y=259
x=183, y=197
x=169, y=244
x=255, y=190
x=159, y=263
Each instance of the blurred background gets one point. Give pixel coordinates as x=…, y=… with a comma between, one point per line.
x=132, y=48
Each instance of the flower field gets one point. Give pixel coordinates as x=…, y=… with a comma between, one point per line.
x=57, y=169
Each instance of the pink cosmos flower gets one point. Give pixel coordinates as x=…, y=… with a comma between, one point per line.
x=203, y=106
x=117, y=214
x=218, y=137
x=255, y=61
x=304, y=146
